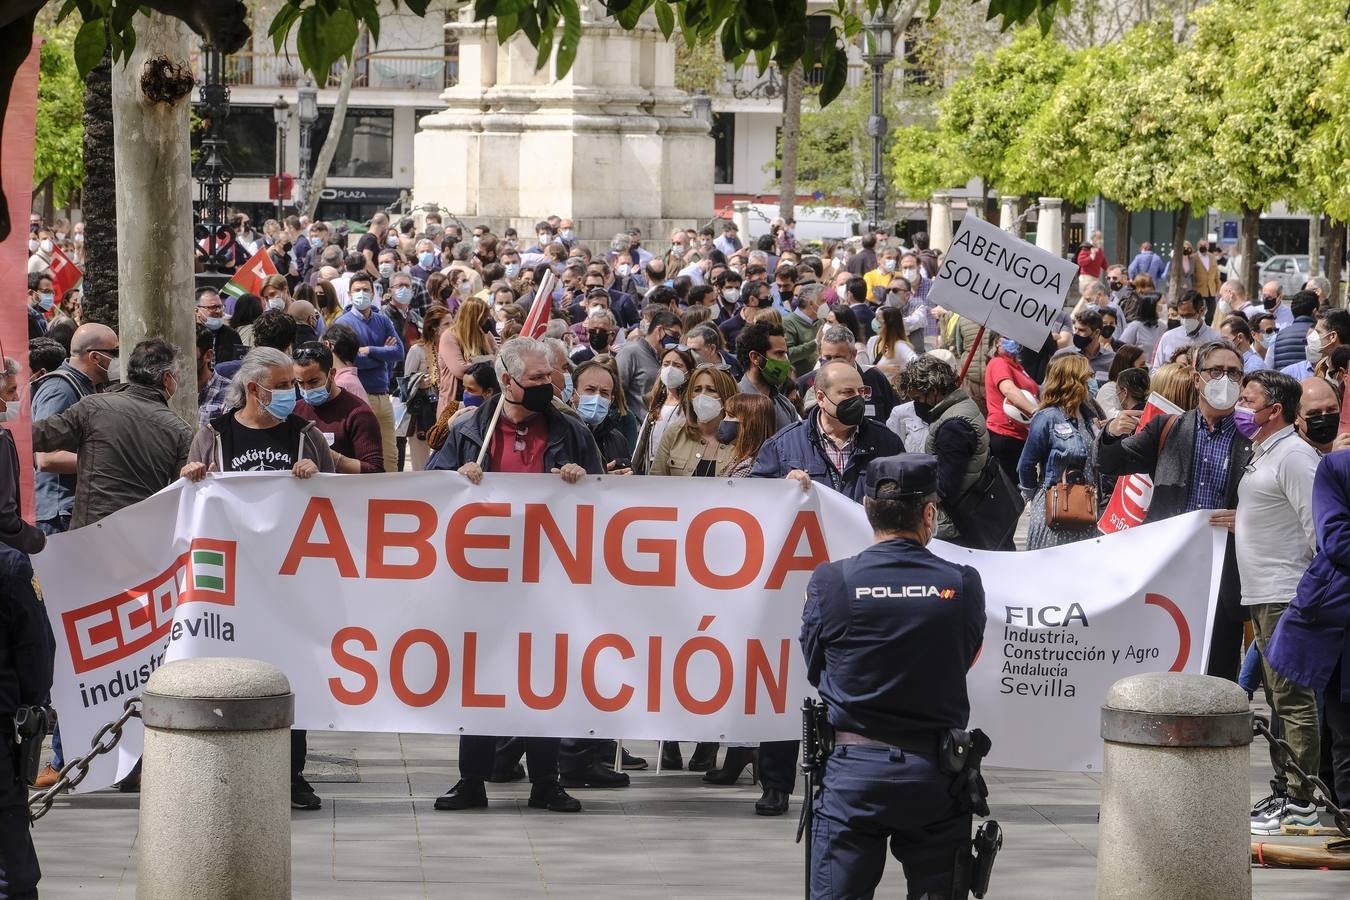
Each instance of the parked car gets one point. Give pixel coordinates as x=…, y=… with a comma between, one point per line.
x=1289, y=270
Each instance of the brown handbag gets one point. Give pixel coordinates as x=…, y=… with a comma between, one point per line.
x=1070, y=506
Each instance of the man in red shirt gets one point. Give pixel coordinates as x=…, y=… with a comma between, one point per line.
x=530, y=436
x=346, y=421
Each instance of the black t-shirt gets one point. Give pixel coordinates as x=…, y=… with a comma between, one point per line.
x=369, y=242
x=260, y=449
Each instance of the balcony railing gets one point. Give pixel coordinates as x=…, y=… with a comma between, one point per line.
x=381, y=71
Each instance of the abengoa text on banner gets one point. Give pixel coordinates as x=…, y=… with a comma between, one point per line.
x=641, y=608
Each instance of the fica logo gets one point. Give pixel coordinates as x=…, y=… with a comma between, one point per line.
x=109, y=630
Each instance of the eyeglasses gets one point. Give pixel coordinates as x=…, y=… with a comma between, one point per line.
x=1221, y=372
x=310, y=353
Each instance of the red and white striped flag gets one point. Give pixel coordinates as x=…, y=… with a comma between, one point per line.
x=536, y=322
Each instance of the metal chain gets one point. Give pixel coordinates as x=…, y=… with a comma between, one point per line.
x=75, y=770
x=1321, y=795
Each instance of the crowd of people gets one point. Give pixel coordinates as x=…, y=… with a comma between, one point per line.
x=707, y=354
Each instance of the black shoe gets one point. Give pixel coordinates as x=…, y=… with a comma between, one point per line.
x=503, y=776
x=632, y=762
x=733, y=764
x=773, y=803
x=468, y=793
x=671, y=759
x=553, y=798
x=705, y=756
x=303, y=796
x=594, y=775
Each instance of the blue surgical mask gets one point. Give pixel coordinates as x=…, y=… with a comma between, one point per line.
x=403, y=295
x=46, y=301
x=426, y=260
x=361, y=300
x=317, y=396
x=567, y=387
x=1009, y=346
x=214, y=323
x=282, y=403
x=592, y=408
x=512, y=270
x=472, y=400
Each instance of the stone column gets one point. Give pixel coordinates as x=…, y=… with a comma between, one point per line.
x=1050, y=225
x=1177, y=743
x=1007, y=213
x=740, y=214
x=215, y=784
x=940, y=221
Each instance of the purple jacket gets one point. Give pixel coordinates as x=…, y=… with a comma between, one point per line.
x=1314, y=632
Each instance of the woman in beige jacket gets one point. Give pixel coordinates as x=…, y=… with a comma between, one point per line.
x=693, y=447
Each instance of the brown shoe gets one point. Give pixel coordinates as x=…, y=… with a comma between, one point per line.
x=46, y=778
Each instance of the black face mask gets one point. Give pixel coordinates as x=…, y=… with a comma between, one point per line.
x=1081, y=341
x=537, y=398
x=923, y=410
x=1321, y=428
x=1173, y=323
x=850, y=412
x=1115, y=285
x=487, y=326
x=1269, y=302
x=1108, y=330
x=599, y=340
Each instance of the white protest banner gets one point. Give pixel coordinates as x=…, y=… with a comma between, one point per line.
x=1133, y=494
x=639, y=608
x=991, y=277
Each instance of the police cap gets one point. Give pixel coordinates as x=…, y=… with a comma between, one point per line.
x=903, y=476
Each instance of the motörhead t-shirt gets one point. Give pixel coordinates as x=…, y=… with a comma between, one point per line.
x=259, y=449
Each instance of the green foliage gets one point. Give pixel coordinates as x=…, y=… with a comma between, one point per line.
x=58, y=149
x=698, y=68
x=919, y=163
x=983, y=113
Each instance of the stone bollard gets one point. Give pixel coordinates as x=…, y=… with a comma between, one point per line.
x=1175, y=797
x=215, y=782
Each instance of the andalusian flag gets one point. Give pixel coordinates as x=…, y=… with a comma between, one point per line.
x=249, y=278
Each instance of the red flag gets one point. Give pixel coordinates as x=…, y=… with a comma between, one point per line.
x=249, y=278
x=65, y=274
x=536, y=322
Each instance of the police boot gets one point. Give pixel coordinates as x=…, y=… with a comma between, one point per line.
x=705, y=756
x=671, y=758
x=594, y=775
x=773, y=803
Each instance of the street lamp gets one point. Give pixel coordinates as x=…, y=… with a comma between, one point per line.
x=281, y=112
x=308, y=115
x=878, y=50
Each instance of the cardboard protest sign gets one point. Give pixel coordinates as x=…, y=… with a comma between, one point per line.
x=992, y=277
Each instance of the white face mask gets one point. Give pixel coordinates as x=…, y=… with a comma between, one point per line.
x=706, y=407
x=672, y=377
x=1221, y=393
x=1191, y=325
x=46, y=246
x=1314, y=348
x=277, y=303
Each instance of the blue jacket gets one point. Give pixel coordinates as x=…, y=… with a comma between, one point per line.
x=1148, y=262
x=798, y=446
x=1314, y=632
x=1291, y=344
x=373, y=368
x=1053, y=444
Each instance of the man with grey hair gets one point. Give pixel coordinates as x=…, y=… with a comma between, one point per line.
x=837, y=345
x=705, y=342
x=530, y=435
x=799, y=327
x=260, y=432
x=1198, y=466
x=93, y=347
x=128, y=444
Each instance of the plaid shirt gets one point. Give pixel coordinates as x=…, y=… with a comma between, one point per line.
x=839, y=456
x=211, y=399
x=1209, y=464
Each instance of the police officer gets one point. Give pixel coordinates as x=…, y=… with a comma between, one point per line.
x=888, y=637
x=25, y=680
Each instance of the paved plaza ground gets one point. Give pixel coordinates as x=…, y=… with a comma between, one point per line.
x=666, y=836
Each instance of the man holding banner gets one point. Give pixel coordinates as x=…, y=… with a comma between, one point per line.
x=1196, y=461
x=522, y=432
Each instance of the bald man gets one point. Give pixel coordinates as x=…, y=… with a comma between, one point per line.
x=93, y=348
x=306, y=319
x=1319, y=415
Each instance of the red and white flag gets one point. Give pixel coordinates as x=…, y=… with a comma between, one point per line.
x=536, y=322
x=65, y=274
x=249, y=277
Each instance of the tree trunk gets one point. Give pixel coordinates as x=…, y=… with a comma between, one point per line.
x=154, y=198
x=98, y=199
x=1335, y=259
x=792, y=132
x=1123, y=235
x=1251, y=221
x=1178, y=241
x=1065, y=224
x=330, y=143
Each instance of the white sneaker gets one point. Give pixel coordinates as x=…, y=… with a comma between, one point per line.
x=1271, y=815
